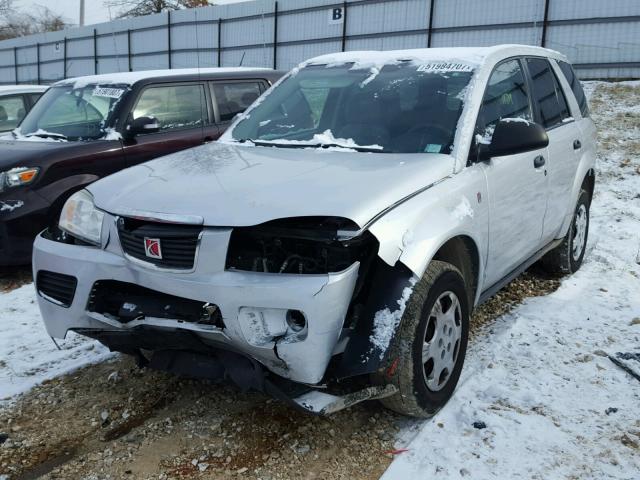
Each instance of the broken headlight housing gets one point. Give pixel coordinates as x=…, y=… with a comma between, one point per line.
x=302, y=245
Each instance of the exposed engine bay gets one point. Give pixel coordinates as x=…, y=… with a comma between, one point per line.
x=306, y=245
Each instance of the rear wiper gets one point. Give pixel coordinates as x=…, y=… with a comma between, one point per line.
x=47, y=135
x=313, y=145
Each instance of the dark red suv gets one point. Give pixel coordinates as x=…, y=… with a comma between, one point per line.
x=86, y=128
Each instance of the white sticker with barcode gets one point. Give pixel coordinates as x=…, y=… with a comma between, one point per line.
x=445, y=67
x=109, y=92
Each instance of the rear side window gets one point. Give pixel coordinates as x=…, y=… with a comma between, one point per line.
x=175, y=106
x=12, y=111
x=547, y=94
x=234, y=98
x=576, y=87
x=506, y=96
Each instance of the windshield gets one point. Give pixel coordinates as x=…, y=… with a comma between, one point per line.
x=72, y=114
x=404, y=107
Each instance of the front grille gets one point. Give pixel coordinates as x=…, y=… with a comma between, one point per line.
x=57, y=287
x=178, y=243
x=128, y=301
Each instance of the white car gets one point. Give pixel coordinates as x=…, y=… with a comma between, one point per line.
x=331, y=246
x=15, y=102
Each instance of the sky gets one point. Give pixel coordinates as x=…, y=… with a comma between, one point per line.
x=95, y=11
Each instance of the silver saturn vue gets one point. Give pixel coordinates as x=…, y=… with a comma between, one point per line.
x=331, y=246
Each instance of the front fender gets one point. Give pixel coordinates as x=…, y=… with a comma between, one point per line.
x=52, y=191
x=410, y=235
x=414, y=231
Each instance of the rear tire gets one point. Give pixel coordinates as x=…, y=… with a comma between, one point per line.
x=428, y=350
x=567, y=257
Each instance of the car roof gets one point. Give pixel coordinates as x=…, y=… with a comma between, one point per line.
x=9, y=89
x=468, y=55
x=130, y=78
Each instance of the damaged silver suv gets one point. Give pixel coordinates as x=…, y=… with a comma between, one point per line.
x=331, y=246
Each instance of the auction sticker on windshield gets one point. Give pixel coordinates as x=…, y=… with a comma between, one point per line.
x=444, y=67
x=109, y=92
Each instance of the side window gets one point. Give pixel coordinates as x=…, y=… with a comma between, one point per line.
x=506, y=96
x=174, y=106
x=547, y=93
x=234, y=98
x=576, y=87
x=12, y=111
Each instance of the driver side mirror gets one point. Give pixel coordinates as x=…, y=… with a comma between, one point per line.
x=142, y=125
x=512, y=136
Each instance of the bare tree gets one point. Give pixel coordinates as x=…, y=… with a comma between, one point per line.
x=16, y=23
x=5, y=6
x=138, y=8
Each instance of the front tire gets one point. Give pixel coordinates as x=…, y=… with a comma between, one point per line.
x=427, y=353
x=567, y=257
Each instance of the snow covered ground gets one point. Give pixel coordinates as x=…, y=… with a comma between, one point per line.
x=553, y=404
x=27, y=355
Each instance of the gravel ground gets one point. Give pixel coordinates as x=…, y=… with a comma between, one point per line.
x=14, y=277
x=115, y=421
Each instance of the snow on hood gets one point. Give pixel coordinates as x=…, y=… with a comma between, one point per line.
x=228, y=185
x=325, y=138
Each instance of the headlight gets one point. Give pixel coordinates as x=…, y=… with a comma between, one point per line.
x=17, y=177
x=81, y=218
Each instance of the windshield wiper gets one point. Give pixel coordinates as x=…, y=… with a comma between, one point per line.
x=357, y=148
x=267, y=143
x=47, y=135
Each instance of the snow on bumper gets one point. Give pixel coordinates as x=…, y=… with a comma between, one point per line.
x=323, y=299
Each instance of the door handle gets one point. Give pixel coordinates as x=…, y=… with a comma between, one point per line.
x=539, y=161
x=577, y=145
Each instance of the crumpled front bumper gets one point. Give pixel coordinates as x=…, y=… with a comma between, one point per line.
x=323, y=299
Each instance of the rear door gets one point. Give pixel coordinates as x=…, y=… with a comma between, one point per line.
x=184, y=117
x=552, y=112
x=231, y=97
x=517, y=189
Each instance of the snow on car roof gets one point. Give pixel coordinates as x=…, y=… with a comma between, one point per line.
x=129, y=78
x=4, y=89
x=467, y=55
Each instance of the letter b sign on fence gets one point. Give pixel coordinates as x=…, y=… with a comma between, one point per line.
x=336, y=15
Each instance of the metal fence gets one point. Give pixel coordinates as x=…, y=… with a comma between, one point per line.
x=601, y=38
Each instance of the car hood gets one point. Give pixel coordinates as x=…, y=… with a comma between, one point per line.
x=26, y=153
x=227, y=185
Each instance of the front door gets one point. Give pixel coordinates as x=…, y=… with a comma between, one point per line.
x=183, y=116
x=517, y=189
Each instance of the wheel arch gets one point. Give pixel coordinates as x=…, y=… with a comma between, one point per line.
x=462, y=252
x=585, y=178
x=589, y=183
